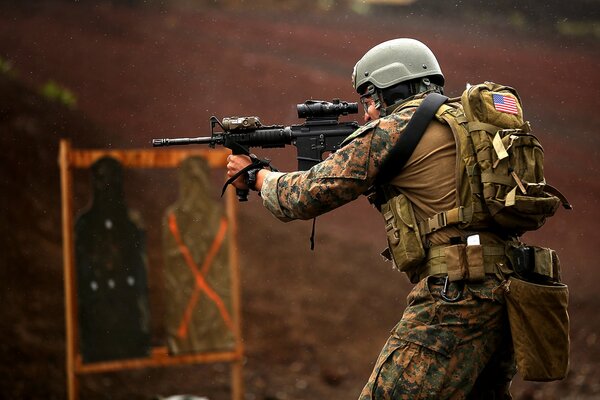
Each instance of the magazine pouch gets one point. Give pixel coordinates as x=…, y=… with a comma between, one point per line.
x=405, y=247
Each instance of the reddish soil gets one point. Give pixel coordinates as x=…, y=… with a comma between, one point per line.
x=313, y=322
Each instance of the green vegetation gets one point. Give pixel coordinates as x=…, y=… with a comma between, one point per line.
x=579, y=28
x=55, y=92
x=6, y=67
x=51, y=90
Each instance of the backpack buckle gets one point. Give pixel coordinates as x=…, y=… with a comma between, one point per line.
x=437, y=222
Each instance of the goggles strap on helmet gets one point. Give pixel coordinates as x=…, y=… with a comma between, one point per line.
x=376, y=95
x=406, y=91
x=378, y=99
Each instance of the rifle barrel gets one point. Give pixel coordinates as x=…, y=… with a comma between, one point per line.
x=181, y=141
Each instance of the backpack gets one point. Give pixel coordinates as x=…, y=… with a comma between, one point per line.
x=500, y=165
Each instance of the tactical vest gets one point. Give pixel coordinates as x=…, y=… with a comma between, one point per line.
x=500, y=184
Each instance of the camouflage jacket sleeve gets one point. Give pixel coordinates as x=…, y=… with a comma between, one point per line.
x=341, y=178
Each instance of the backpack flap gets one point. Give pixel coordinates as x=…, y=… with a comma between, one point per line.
x=493, y=104
x=509, y=158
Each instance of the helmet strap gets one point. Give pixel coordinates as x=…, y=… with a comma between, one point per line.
x=413, y=88
x=377, y=97
x=425, y=85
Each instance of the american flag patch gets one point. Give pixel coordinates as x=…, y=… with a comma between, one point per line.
x=505, y=104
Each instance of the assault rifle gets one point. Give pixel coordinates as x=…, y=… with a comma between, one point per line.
x=321, y=133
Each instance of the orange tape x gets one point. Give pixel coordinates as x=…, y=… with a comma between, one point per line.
x=200, y=275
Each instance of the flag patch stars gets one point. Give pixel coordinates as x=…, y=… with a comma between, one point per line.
x=505, y=104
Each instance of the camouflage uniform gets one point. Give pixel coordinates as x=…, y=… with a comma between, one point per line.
x=442, y=350
x=438, y=349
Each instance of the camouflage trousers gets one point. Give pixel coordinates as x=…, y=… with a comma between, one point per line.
x=447, y=350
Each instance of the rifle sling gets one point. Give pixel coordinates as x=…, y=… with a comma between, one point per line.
x=257, y=163
x=406, y=144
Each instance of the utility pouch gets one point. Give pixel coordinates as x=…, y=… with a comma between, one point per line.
x=547, y=264
x=455, y=262
x=464, y=262
x=522, y=259
x=404, y=240
x=533, y=263
x=539, y=325
x=475, y=262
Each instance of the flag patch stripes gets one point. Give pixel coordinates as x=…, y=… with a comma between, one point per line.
x=505, y=104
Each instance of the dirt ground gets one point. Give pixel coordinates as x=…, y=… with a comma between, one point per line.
x=313, y=322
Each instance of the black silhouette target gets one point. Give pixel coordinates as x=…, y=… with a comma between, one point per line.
x=110, y=259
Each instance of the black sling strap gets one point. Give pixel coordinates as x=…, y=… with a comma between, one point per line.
x=406, y=144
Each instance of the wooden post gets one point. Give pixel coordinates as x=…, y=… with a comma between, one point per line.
x=237, y=378
x=66, y=180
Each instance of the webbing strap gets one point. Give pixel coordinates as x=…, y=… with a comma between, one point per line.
x=555, y=192
x=482, y=126
x=257, y=163
x=440, y=268
x=488, y=250
x=491, y=177
x=440, y=220
x=436, y=260
x=406, y=144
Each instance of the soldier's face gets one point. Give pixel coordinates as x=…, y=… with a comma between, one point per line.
x=371, y=112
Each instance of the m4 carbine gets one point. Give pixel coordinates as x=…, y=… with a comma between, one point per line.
x=321, y=133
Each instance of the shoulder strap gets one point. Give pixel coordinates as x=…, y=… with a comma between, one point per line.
x=406, y=144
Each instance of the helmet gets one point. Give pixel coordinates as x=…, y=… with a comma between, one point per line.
x=396, y=61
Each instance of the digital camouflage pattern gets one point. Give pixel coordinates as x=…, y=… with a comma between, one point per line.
x=341, y=178
x=438, y=350
x=442, y=350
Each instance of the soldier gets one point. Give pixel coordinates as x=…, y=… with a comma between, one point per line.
x=453, y=339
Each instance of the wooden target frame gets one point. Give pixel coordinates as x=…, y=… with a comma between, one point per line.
x=70, y=159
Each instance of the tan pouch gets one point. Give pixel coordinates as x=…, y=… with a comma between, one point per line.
x=455, y=262
x=464, y=262
x=404, y=240
x=539, y=325
x=547, y=263
x=534, y=263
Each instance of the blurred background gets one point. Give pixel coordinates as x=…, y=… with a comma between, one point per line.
x=115, y=74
